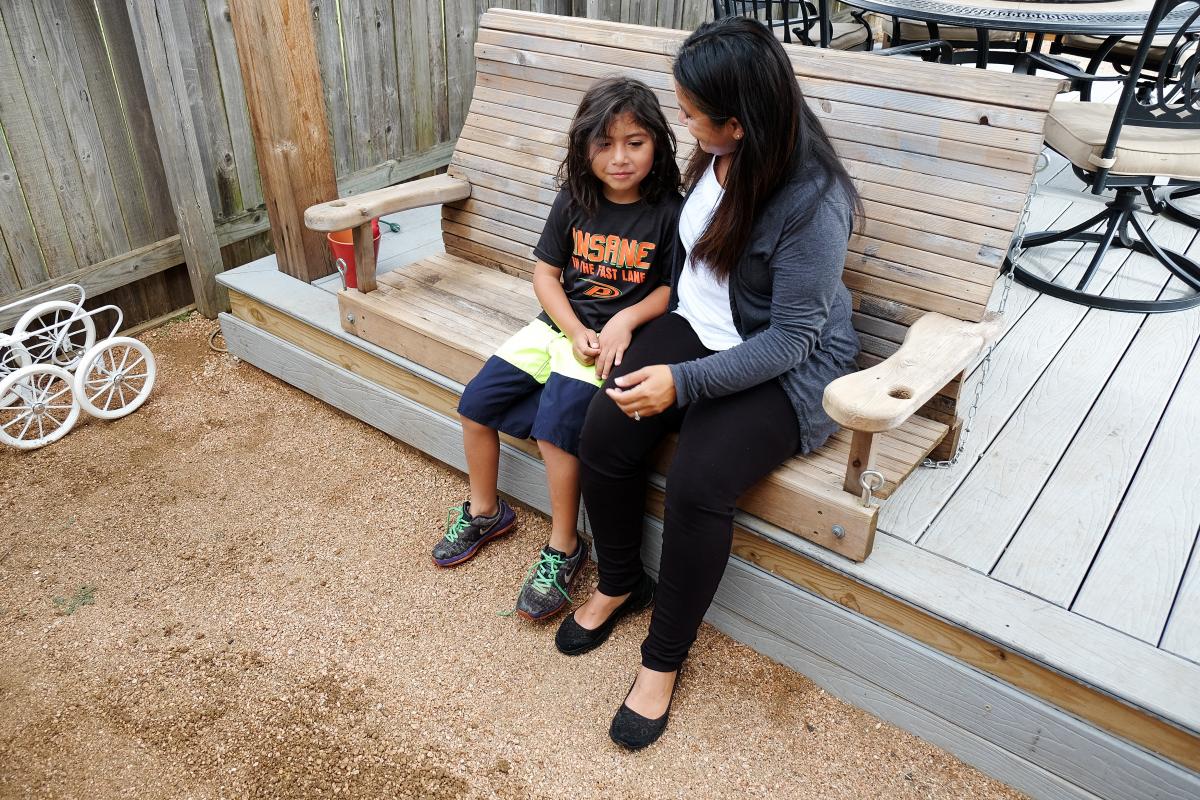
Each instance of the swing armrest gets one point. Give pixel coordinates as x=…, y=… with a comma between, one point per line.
x=350, y=212
x=936, y=349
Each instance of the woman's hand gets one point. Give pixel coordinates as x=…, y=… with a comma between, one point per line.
x=645, y=392
x=614, y=339
x=586, y=346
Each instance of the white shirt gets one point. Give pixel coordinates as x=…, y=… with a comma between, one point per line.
x=704, y=300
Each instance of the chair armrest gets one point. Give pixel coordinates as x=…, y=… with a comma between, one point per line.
x=350, y=212
x=1062, y=67
x=935, y=349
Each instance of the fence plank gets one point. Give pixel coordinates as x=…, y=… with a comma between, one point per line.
x=105, y=105
x=371, y=84
x=234, y=94
x=190, y=23
x=50, y=133
x=82, y=127
x=21, y=255
x=158, y=49
x=328, y=34
x=135, y=107
x=418, y=72
x=462, y=26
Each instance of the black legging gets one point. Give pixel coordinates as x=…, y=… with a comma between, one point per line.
x=725, y=446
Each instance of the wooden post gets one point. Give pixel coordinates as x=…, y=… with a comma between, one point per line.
x=861, y=459
x=364, y=258
x=280, y=72
x=166, y=90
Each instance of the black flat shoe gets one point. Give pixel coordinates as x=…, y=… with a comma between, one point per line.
x=633, y=731
x=572, y=639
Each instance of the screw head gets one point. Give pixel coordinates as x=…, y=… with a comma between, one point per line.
x=839, y=531
x=349, y=318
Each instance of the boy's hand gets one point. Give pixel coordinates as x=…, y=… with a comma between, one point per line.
x=614, y=339
x=586, y=346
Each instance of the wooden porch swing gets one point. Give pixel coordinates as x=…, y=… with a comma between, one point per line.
x=943, y=169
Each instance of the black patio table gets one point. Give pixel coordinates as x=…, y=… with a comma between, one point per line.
x=1088, y=17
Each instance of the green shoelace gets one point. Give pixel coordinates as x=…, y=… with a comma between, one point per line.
x=544, y=573
x=456, y=523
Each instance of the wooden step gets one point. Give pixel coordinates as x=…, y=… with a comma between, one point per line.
x=449, y=314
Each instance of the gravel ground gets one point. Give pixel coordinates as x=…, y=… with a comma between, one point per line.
x=229, y=594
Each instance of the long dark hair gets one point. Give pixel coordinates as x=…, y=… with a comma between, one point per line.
x=734, y=68
x=605, y=101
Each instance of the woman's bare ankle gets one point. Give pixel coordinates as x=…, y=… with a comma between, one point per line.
x=598, y=608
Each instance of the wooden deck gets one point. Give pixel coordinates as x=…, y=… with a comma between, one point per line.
x=1034, y=609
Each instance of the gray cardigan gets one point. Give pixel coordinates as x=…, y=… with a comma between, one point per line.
x=789, y=305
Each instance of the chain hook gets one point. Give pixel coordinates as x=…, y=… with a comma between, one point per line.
x=871, y=480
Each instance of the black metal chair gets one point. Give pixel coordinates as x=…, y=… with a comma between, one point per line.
x=1149, y=137
x=809, y=24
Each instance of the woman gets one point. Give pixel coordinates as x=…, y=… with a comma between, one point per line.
x=761, y=325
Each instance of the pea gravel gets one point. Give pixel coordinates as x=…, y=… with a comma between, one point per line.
x=264, y=621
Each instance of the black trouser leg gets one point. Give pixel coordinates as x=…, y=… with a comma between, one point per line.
x=726, y=445
x=613, y=454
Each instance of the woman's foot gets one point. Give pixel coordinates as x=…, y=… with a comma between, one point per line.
x=597, y=609
x=589, y=626
x=642, y=718
x=651, y=692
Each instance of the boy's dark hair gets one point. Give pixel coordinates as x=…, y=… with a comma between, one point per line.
x=606, y=100
x=735, y=68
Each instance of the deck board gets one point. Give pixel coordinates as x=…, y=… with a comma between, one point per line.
x=1080, y=498
x=978, y=521
x=1154, y=531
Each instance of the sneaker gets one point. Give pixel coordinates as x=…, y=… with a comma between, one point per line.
x=544, y=592
x=465, y=534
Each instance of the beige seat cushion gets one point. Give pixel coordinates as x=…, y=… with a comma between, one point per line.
x=846, y=35
x=1126, y=48
x=1078, y=131
x=914, y=31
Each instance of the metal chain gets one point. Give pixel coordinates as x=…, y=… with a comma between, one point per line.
x=1015, y=253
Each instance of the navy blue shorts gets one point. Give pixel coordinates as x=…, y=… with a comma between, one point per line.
x=533, y=388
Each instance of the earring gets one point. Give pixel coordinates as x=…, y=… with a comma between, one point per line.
x=738, y=135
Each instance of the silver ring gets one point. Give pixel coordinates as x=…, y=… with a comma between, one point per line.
x=637, y=417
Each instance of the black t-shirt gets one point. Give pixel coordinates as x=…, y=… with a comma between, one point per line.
x=611, y=260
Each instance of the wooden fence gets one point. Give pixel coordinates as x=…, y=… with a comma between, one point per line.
x=83, y=192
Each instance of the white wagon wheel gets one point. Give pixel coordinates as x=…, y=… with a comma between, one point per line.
x=56, y=332
x=12, y=357
x=36, y=406
x=115, y=377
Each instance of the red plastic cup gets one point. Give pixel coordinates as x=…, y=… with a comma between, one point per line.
x=342, y=245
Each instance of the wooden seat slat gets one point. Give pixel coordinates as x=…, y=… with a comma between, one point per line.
x=467, y=248
x=915, y=297
x=491, y=240
x=517, y=190
x=515, y=203
x=495, y=227
x=1004, y=180
x=464, y=158
x=905, y=138
x=525, y=222
x=985, y=115
x=865, y=69
x=831, y=101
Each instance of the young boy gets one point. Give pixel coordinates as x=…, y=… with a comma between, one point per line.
x=604, y=250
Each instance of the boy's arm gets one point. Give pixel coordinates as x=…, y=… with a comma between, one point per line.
x=547, y=286
x=618, y=332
